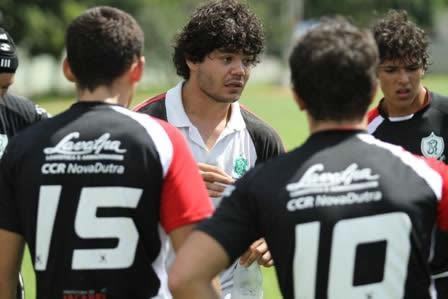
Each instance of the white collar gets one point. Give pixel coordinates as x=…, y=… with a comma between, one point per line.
x=400, y=118
x=177, y=116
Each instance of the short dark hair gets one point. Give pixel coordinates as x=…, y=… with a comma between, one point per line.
x=218, y=25
x=102, y=43
x=400, y=39
x=333, y=70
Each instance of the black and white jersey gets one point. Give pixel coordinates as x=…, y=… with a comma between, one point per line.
x=17, y=113
x=95, y=191
x=423, y=133
x=345, y=216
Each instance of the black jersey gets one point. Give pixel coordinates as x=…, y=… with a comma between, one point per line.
x=16, y=113
x=345, y=216
x=94, y=191
x=422, y=133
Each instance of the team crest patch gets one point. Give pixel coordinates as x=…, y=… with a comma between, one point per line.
x=432, y=146
x=240, y=166
x=3, y=143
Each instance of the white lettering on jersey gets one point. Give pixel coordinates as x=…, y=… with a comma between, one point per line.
x=322, y=200
x=317, y=188
x=315, y=180
x=81, y=169
x=67, y=149
x=3, y=36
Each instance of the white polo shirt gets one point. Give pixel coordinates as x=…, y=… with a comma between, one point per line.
x=234, y=150
x=245, y=141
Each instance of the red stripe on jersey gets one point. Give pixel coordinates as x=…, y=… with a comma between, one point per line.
x=372, y=114
x=442, y=210
x=184, y=196
x=149, y=101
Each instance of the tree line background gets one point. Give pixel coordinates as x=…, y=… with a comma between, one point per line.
x=38, y=26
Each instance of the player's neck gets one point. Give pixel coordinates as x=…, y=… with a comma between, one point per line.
x=208, y=116
x=318, y=126
x=114, y=94
x=201, y=109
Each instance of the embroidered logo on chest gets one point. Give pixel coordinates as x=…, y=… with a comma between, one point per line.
x=3, y=143
x=433, y=146
x=240, y=166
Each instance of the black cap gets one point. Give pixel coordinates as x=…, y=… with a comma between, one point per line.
x=8, y=56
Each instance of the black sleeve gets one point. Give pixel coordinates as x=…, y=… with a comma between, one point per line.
x=235, y=222
x=9, y=217
x=154, y=109
x=24, y=111
x=36, y=112
x=267, y=142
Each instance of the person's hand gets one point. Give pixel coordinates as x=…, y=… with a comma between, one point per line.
x=215, y=179
x=259, y=252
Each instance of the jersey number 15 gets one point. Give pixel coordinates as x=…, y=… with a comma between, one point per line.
x=88, y=225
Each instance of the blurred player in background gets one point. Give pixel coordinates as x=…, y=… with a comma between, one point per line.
x=16, y=113
x=409, y=114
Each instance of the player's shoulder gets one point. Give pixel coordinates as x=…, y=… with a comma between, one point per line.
x=23, y=107
x=155, y=127
x=439, y=102
x=16, y=100
x=154, y=106
x=257, y=127
x=393, y=156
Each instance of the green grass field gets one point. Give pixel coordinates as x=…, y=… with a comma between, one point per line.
x=274, y=104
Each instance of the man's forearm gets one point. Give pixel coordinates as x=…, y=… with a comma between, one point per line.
x=198, y=290
x=8, y=288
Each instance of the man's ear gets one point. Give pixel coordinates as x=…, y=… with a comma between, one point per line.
x=298, y=100
x=191, y=65
x=67, y=70
x=136, y=69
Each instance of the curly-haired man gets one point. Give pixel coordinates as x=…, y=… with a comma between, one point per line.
x=214, y=55
x=409, y=114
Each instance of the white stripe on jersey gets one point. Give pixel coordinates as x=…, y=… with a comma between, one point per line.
x=374, y=124
x=157, y=133
x=440, y=275
x=432, y=177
